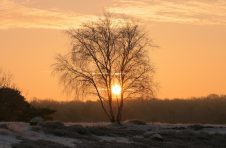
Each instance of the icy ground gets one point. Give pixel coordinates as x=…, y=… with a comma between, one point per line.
x=97, y=135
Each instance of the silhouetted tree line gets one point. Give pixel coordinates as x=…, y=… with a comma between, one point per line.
x=14, y=107
x=210, y=109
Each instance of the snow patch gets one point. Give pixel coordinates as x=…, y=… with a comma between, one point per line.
x=61, y=140
x=7, y=141
x=25, y=131
x=215, y=131
x=114, y=139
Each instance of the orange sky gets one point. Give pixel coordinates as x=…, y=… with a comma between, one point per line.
x=191, y=59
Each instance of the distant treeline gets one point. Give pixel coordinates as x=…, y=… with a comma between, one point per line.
x=210, y=109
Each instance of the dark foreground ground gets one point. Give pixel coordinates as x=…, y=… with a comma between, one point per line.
x=101, y=135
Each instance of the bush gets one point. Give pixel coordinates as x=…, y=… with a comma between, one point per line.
x=13, y=107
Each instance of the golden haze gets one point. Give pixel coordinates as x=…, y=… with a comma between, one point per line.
x=190, y=60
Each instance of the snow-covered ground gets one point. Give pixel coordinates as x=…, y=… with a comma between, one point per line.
x=22, y=135
x=16, y=131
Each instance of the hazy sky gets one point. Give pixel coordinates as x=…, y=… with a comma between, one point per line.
x=191, y=35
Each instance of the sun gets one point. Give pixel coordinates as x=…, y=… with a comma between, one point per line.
x=116, y=89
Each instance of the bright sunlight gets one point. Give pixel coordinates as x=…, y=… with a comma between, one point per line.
x=116, y=89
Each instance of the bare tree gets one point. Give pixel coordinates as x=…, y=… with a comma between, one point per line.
x=5, y=79
x=109, y=60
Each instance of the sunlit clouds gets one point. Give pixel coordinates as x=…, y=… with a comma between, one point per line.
x=61, y=15
x=152, y=11
x=16, y=15
x=177, y=11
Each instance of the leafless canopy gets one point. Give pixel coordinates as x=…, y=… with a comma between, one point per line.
x=106, y=52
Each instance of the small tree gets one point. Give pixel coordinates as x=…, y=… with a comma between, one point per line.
x=5, y=79
x=110, y=60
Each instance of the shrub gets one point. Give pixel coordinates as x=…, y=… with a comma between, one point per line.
x=14, y=107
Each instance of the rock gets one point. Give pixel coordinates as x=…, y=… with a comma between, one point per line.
x=26, y=143
x=53, y=124
x=148, y=134
x=179, y=128
x=36, y=121
x=196, y=127
x=157, y=137
x=4, y=126
x=138, y=137
x=116, y=125
x=136, y=122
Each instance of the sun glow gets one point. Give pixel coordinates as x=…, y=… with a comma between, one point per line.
x=116, y=89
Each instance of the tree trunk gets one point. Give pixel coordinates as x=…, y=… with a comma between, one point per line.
x=111, y=110
x=120, y=109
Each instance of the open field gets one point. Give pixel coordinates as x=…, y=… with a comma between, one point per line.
x=84, y=135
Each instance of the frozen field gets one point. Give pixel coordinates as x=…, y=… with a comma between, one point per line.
x=97, y=135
